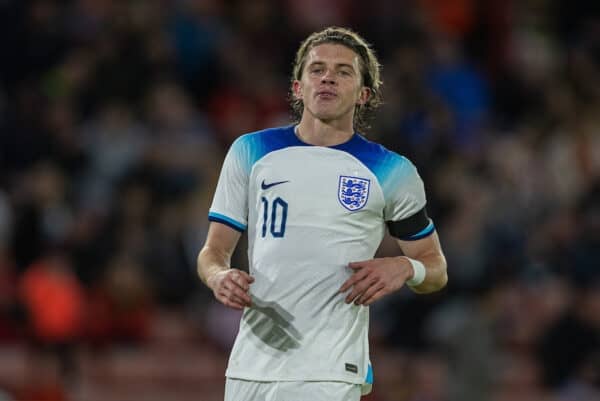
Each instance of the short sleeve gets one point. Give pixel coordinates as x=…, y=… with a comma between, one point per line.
x=230, y=202
x=405, y=213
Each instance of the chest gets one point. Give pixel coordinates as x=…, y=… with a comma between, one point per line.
x=315, y=184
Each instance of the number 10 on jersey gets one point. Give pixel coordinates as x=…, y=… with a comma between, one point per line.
x=274, y=217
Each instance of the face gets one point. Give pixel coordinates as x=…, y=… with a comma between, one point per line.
x=331, y=84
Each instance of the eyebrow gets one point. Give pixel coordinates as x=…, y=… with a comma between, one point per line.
x=338, y=65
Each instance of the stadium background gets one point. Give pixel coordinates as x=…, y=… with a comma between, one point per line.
x=114, y=120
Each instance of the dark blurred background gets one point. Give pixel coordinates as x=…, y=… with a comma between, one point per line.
x=114, y=120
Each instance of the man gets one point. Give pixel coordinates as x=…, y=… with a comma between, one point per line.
x=316, y=198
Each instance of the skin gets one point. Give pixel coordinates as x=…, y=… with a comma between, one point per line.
x=330, y=88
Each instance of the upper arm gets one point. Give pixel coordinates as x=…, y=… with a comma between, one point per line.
x=230, y=202
x=406, y=215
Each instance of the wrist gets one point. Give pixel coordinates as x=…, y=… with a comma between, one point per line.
x=419, y=273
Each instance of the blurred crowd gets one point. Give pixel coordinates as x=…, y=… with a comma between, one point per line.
x=114, y=120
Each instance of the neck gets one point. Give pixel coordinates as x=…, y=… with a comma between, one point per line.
x=321, y=133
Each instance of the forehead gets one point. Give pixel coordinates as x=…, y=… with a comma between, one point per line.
x=332, y=53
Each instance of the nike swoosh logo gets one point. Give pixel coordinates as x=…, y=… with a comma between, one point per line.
x=267, y=186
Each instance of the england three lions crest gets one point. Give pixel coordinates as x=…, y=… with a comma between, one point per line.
x=353, y=192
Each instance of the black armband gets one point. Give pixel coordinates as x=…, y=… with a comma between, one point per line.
x=415, y=227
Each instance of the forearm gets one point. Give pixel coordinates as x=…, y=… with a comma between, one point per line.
x=210, y=262
x=229, y=286
x=436, y=275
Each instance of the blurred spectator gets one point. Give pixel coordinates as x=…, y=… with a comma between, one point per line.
x=565, y=360
x=115, y=143
x=120, y=306
x=196, y=30
x=43, y=215
x=463, y=90
x=55, y=306
x=54, y=300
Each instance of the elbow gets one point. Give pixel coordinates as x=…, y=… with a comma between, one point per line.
x=443, y=277
x=443, y=281
x=435, y=284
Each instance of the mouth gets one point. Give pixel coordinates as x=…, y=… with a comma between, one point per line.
x=326, y=94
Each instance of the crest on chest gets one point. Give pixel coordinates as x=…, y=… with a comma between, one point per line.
x=353, y=192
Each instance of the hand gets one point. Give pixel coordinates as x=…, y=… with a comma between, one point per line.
x=375, y=278
x=231, y=288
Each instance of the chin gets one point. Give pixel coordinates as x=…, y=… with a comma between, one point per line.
x=326, y=116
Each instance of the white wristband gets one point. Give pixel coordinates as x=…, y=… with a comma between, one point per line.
x=419, y=273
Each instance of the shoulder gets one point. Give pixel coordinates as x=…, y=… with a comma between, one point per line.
x=276, y=135
x=266, y=140
x=379, y=159
x=252, y=146
x=395, y=173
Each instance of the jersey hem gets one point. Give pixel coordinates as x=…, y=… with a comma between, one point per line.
x=253, y=377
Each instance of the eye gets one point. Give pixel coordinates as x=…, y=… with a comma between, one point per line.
x=316, y=70
x=346, y=72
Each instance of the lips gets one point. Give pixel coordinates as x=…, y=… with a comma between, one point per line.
x=326, y=94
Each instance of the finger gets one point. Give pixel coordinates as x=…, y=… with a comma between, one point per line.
x=356, y=291
x=244, y=301
x=241, y=282
x=241, y=295
x=227, y=285
x=248, y=278
x=360, y=288
x=347, y=284
x=232, y=304
x=223, y=298
x=372, y=290
x=356, y=277
x=231, y=299
x=375, y=297
x=232, y=284
x=231, y=289
x=350, y=298
x=359, y=264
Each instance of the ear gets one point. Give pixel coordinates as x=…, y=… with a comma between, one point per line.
x=364, y=96
x=297, y=89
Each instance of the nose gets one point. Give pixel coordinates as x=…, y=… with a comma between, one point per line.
x=328, y=77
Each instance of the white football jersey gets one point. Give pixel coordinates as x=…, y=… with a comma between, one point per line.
x=309, y=211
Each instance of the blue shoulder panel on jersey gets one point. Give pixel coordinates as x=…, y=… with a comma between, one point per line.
x=253, y=146
x=387, y=166
x=228, y=221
